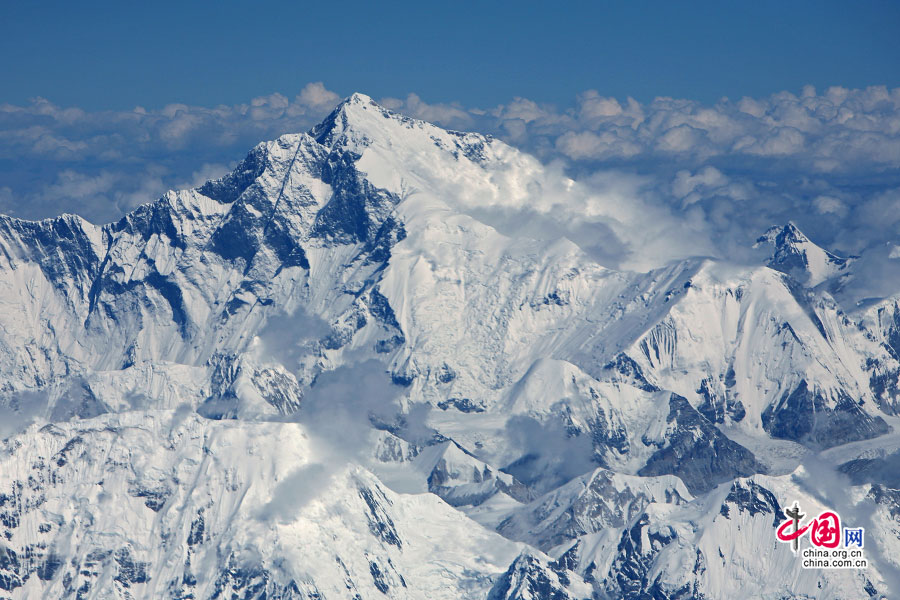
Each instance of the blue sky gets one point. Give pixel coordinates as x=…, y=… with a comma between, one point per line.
x=116, y=55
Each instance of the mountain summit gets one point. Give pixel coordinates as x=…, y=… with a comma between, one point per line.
x=335, y=372
x=797, y=256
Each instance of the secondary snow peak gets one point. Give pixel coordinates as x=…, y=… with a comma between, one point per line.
x=796, y=255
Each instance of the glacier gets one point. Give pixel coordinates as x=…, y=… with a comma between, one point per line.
x=340, y=372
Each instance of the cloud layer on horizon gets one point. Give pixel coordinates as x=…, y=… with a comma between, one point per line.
x=722, y=174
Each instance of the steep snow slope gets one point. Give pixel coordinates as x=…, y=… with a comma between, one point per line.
x=752, y=348
x=161, y=504
x=346, y=312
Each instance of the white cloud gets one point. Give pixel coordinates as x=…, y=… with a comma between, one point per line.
x=447, y=115
x=841, y=130
x=593, y=105
x=829, y=204
x=205, y=173
x=681, y=138
x=316, y=96
x=590, y=145
x=525, y=110
x=708, y=177
x=778, y=142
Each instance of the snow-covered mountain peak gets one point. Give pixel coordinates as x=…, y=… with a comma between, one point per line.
x=347, y=116
x=357, y=98
x=796, y=255
x=359, y=122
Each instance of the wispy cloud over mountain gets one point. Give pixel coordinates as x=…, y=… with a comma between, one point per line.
x=718, y=175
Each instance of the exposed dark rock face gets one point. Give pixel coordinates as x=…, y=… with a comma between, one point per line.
x=887, y=496
x=884, y=371
x=528, y=578
x=698, y=452
x=473, y=483
x=243, y=580
x=599, y=506
x=626, y=370
x=717, y=405
x=358, y=212
x=883, y=471
x=792, y=249
x=380, y=524
x=630, y=576
x=803, y=415
x=461, y=404
x=750, y=497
